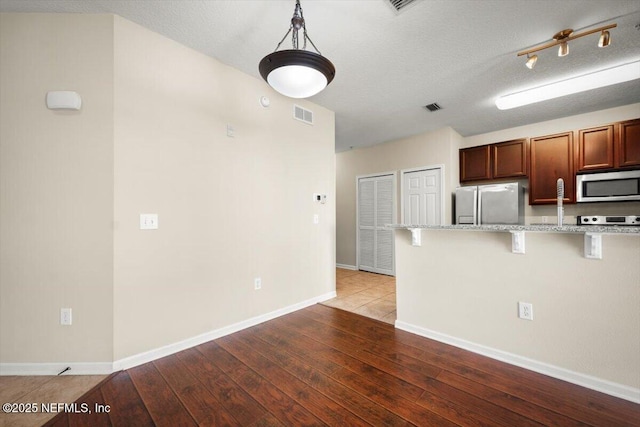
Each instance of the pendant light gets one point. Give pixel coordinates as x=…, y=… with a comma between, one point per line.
x=297, y=73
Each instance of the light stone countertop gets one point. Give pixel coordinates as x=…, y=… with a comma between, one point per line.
x=602, y=229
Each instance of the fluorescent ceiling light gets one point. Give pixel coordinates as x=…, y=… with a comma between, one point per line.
x=607, y=77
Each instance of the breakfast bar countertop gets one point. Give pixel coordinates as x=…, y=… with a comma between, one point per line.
x=602, y=229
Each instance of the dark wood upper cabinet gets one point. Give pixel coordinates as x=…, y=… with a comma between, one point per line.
x=552, y=157
x=509, y=159
x=628, y=146
x=496, y=161
x=596, y=148
x=475, y=163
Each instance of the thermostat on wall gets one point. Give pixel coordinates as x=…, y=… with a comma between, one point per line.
x=322, y=198
x=63, y=100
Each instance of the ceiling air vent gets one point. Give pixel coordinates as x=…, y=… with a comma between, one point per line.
x=398, y=5
x=433, y=107
x=303, y=115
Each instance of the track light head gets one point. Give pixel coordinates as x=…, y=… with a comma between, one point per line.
x=563, y=50
x=531, y=61
x=561, y=37
x=605, y=39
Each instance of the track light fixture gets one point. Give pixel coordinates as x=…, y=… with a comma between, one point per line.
x=605, y=39
x=562, y=39
x=297, y=73
x=531, y=61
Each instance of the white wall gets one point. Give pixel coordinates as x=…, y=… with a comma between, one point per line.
x=150, y=138
x=230, y=209
x=56, y=189
x=465, y=285
x=434, y=148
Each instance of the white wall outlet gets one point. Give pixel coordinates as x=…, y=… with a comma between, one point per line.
x=525, y=310
x=257, y=283
x=316, y=219
x=65, y=316
x=148, y=221
x=231, y=132
x=593, y=245
x=517, y=242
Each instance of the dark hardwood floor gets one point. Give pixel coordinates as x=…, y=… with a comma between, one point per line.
x=324, y=366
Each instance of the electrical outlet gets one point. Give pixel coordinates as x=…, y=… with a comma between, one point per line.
x=257, y=283
x=525, y=310
x=65, y=316
x=148, y=221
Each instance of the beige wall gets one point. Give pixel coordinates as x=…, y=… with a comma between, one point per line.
x=433, y=148
x=442, y=147
x=586, y=318
x=230, y=209
x=150, y=138
x=56, y=189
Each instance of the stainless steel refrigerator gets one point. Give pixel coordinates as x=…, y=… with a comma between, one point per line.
x=490, y=204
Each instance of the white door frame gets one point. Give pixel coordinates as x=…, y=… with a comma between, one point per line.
x=402, y=189
x=394, y=175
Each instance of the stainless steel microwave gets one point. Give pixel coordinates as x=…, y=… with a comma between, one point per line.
x=608, y=186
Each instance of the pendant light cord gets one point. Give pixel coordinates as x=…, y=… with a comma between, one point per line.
x=298, y=18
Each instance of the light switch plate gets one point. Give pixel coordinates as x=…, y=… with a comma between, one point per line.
x=148, y=221
x=65, y=316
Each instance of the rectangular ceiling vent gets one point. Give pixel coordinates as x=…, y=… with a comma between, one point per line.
x=398, y=5
x=302, y=114
x=433, y=107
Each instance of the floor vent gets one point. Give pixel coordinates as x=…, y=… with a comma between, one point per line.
x=398, y=5
x=433, y=107
x=303, y=115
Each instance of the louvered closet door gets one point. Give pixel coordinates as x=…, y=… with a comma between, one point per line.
x=375, y=209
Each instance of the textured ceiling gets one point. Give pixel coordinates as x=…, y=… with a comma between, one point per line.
x=458, y=53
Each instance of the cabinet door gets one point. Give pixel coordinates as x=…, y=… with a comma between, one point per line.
x=510, y=159
x=475, y=163
x=595, y=148
x=551, y=158
x=629, y=143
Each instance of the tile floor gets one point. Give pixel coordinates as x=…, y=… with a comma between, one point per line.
x=39, y=390
x=369, y=294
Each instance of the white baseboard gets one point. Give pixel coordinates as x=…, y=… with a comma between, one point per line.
x=588, y=381
x=100, y=368
x=106, y=368
x=347, y=267
x=148, y=356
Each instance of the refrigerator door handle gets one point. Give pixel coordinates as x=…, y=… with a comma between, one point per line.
x=477, y=207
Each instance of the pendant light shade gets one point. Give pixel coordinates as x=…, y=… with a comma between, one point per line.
x=297, y=73
x=531, y=61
